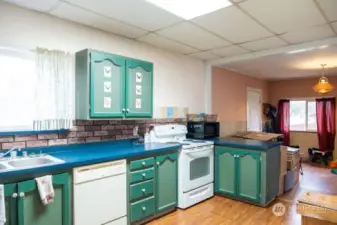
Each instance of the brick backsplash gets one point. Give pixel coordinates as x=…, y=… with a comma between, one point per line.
x=84, y=131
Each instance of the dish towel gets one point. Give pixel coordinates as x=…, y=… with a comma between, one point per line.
x=2, y=205
x=46, y=189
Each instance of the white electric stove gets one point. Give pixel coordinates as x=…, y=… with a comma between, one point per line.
x=195, y=164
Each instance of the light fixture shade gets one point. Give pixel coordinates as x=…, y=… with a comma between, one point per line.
x=323, y=86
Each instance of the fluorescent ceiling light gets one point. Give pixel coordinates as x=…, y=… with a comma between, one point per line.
x=189, y=9
x=301, y=50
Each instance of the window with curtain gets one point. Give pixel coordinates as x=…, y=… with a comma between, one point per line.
x=36, y=90
x=17, y=81
x=303, y=115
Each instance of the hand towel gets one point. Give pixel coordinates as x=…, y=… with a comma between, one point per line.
x=2, y=205
x=46, y=189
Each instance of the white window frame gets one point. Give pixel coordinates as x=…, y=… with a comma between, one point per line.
x=307, y=100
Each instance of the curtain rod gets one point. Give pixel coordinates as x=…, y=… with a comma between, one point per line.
x=307, y=98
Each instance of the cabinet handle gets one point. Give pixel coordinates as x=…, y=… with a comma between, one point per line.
x=22, y=195
x=158, y=163
x=144, y=174
x=143, y=163
x=143, y=190
x=127, y=110
x=143, y=208
x=15, y=195
x=123, y=110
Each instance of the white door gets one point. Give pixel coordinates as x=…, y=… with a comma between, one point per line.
x=254, y=109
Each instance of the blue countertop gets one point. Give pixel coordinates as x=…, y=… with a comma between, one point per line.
x=246, y=143
x=91, y=153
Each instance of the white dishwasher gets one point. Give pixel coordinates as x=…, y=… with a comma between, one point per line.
x=100, y=194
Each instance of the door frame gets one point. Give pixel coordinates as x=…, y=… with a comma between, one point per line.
x=259, y=91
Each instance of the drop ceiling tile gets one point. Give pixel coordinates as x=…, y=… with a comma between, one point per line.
x=139, y=13
x=204, y=55
x=266, y=43
x=236, y=1
x=79, y=15
x=161, y=42
x=229, y=51
x=282, y=16
x=308, y=34
x=194, y=36
x=335, y=26
x=39, y=5
x=222, y=23
x=330, y=8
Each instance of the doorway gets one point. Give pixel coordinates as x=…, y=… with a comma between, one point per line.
x=254, y=109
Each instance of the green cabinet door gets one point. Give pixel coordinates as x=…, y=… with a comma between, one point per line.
x=139, y=88
x=11, y=204
x=107, y=85
x=225, y=171
x=32, y=212
x=166, y=180
x=248, y=175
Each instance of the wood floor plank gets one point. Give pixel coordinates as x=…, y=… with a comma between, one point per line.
x=224, y=211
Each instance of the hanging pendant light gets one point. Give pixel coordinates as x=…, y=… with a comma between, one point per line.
x=323, y=86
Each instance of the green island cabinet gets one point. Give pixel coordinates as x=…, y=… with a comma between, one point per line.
x=112, y=86
x=246, y=174
x=24, y=207
x=153, y=187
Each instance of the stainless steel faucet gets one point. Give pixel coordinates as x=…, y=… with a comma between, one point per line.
x=11, y=151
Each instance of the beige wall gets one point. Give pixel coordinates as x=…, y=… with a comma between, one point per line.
x=179, y=80
x=300, y=88
x=229, y=93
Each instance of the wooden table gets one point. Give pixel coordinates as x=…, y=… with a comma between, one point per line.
x=317, y=208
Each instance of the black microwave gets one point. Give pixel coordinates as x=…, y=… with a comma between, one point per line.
x=203, y=130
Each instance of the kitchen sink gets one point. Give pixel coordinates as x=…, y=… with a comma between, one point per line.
x=3, y=167
x=29, y=162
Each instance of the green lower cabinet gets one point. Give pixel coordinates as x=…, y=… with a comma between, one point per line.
x=11, y=204
x=166, y=182
x=237, y=173
x=248, y=176
x=153, y=191
x=225, y=172
x=25, y=206
x=142, y=209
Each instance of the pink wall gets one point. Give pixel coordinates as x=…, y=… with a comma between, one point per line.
x=229, y=97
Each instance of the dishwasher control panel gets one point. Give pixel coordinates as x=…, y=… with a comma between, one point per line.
x=99, y=171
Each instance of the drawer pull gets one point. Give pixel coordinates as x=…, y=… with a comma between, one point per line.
x=158, y=163
x=143, y=190
x=144, y=208
x=15, y=195
x=22, y=195
x=143, y=163
x=144, y=174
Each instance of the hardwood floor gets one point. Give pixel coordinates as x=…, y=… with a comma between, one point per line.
x=223, y=211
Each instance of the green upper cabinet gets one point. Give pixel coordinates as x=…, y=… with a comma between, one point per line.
x=11, y=204
x=139, y=88
x=225, y=171
x=166, y=182
x=31, y=211
x=238, y=173
x=248, y=177
x=107, y=85
x=111, y=86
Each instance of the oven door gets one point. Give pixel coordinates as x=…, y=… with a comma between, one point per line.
x=197, y=167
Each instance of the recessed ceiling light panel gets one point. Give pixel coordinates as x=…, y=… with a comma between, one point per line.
x=189, y=9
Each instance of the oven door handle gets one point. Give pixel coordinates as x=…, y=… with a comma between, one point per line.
x=200, y=153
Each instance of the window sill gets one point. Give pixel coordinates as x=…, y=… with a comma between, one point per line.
x=304, y=131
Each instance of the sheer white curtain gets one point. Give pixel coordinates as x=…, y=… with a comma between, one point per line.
x=54, y=92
